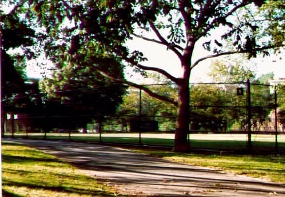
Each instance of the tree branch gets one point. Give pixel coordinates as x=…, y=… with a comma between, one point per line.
x=159, y=70
x=158, y=42
x=151, y=93
x=134, y=62
x=142, y=87
x=211, y=25
x=163, y=41
x=235, y=52
x=186, y=16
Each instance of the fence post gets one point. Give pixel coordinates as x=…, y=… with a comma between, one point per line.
x=140, y=114
x=248, y=107
x=13, y=124
x=275, y=123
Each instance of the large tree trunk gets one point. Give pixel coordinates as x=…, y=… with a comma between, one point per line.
x=3, y=123
x=13, y=124
x=183, y=115
x=181, y=142
x=84, y=129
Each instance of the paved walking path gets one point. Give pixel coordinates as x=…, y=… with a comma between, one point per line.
x=142, y=175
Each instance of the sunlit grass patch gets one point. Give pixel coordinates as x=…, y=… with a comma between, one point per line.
x=29, y=172
x=262, y=144
x=269, y=167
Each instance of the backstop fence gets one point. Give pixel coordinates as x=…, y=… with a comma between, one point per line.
x=225, y=109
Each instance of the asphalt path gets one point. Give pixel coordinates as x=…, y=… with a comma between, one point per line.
x=141, y=175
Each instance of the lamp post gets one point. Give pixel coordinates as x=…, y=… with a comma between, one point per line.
x=140, y=116
x=248, y=107
x=46, y=123
x=275, y=123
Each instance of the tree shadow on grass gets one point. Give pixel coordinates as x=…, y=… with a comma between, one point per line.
x=22, y=159
x=59, y=189
x=237, y=146
x=66, y=189
x=151, y=172
x=125, y=168
x=12, y=143
x=34, y=158
x=9, y=194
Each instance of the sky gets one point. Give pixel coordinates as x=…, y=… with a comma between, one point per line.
x=159, y=56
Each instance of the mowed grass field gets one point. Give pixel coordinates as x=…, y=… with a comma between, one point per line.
x=30, y=172
x=260, y=142
x=267, y=167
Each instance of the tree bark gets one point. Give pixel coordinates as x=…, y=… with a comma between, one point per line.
x=181, y=142
x=3, y=122
x=183, y=115
x=12, y=124
x=84, y=129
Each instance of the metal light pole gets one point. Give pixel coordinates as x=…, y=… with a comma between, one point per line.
x=140, y=114
x=275, y=123
x=248, y=107
x=1, y=104
x=47, y=121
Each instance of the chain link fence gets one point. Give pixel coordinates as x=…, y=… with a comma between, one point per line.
x=234, y=109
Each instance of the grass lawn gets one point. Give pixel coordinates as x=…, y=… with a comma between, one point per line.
x=269, y=167
x=29, y=172
x=263, y=144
